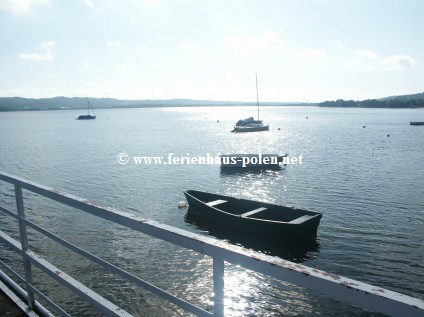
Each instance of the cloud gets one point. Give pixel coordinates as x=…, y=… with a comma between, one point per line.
x=54, y=76
x=152, y=2
x=22, y=7
x=84, y=64
x=397, y=62
x=254, y=45
x=357, y=64
x=44, y=53
x=312, y=53
x=189, y=47
x=124, y=69
x=339, y=45
x=121, y=67
x=115, y=44
x=366, y=54
x=90, y=4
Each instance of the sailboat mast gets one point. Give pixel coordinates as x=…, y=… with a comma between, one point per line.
x=89, y=106
x=257, y=94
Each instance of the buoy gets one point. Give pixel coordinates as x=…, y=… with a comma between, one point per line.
x=279, y=129
x=363, y=126
x=388, y=135
x=307, y=118
x=182, y=204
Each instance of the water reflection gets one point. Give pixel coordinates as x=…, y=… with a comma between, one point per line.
x=286, y=249
x=245, y=171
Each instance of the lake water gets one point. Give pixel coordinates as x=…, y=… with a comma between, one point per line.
x=367, y=181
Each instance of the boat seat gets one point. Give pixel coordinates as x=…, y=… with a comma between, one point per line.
x=249, y=213
x=301, y=219
x=215, y=202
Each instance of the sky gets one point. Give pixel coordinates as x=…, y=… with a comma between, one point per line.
x=302, y=51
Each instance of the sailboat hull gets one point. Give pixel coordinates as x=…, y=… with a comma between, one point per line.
x=86, y=117
x=251, y=128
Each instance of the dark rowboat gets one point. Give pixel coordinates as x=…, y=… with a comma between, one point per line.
x=416, y=123
x=277, y=222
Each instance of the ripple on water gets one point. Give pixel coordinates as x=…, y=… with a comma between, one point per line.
x=368, y=186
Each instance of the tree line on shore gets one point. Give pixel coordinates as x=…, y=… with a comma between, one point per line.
x=374, y=103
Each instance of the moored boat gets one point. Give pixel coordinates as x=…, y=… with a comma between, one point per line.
x=254, y=126
x=88, y=116
x=250, y=124
x=249, y=216
x=416, y=122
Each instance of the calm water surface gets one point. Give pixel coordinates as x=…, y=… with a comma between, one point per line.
x=367, y=181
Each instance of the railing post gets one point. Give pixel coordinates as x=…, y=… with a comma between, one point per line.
x=218, y=287
x=24, y=243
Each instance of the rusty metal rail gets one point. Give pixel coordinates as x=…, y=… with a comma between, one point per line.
x=361, y=294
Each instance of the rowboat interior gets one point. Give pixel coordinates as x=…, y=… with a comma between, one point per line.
x=258, y=210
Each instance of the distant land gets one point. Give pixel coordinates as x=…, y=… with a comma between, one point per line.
x=67, y=103
x=404, y=101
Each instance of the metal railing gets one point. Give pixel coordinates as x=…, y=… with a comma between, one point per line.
x=364, y=295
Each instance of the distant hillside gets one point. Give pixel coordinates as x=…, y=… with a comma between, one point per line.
x=419, y=96
x=64, y=103
x=57, y=103
x=405, y=101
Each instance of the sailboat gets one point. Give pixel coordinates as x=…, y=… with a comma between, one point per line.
x=87, y=116
x=250, y=124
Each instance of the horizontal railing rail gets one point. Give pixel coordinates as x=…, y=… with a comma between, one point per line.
x=361, y=294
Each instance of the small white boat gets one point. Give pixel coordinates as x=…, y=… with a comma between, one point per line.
x=250, y=124
x=252, y=128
